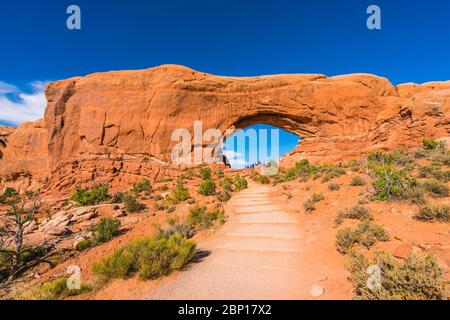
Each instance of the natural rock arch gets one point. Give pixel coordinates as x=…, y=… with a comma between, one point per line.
x=117, y=126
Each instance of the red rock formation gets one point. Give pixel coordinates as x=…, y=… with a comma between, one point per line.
x=117, y=126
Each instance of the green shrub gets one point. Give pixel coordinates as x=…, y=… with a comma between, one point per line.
x=176, y=227
x=334, y=187
x=240, y=183
x=366, y=234
x=414, y=279
x=393, y=183
x=131, y=204
x=430, y=213
x=224, y=195
x=301, y=169
x=117, y=197
x=434, y=172
x=164, y=187
x=200, y=219
x=260, y=178
x=355, y=213
x=205, y=173
x=220, y=174
x=180, y=193
x=143, y=186
x=389, y=182
x=436, y=189
x=309, y=205
x=106, y=230
x=358, y=181
x=56, y=289
x=83, y=245
x=86, y=197
x=207, y=188
x=429, y=144
x=149, y=258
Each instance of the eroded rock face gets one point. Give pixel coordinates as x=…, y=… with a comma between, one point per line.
x=117, y=126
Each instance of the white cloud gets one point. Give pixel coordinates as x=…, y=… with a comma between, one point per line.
x=17, y=106
x=236, y=159
x=231, y=154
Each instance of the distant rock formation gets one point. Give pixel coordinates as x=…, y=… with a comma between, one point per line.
x=115, y=127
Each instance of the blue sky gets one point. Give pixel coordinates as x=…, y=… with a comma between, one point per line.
x=269, y=143
x=226, y=37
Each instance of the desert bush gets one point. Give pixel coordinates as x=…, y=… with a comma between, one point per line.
x=106, y=230
x=393, y=183
x=176, y=227
x=160, y=206
x=205, y=173
x=332, y=173
x=434, y=172
x=117, y=197
x=413, y=279
x=164, y=180
x=142, y=186
x=441, y=160
x=436, y=189
x=358, y=181
x=97, y=194
x=429, y=144
x=431, y=213
x=397, y=157
x=55, y=289
x=149, y=258
x=354, y=165
x=83, y=245
x=334, y=187
x=309, y=205
x=365, y=234
x=220, y=174
x=131, y=204
x=420, y=154
x=171, y=209
x=199, y=218
x=260, y=178
x=207, y=188
x=164, y=187
x=180, y=193
x=355, y=213
x=240, y=183
x=227, y=183
x=301, y=168
x=224, y=195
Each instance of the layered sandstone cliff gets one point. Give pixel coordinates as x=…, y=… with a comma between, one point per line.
x=117, y=126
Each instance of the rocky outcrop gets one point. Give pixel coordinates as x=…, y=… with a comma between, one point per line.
x=117, y=126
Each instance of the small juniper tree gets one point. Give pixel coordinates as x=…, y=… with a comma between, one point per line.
x=22, y=210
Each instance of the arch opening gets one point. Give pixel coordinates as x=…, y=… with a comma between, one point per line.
x=258, y=144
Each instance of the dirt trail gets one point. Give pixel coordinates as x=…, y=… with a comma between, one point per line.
x=256, y=255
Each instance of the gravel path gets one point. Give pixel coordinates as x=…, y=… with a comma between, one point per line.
x=254, y=256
